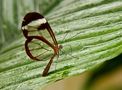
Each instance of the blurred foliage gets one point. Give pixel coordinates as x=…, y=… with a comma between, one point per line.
x=90, y=32
x=104, y=69
x=12, y=12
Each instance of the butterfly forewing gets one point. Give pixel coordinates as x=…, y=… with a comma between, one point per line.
x=41, y=27
x=47, y=33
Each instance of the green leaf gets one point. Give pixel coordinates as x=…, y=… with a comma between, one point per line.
x=90, y=32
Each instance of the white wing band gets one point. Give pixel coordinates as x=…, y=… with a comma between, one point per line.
x=37, y=22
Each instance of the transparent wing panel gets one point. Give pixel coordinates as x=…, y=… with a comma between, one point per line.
x=46, y=35
x=42, y=32
x=40, y=50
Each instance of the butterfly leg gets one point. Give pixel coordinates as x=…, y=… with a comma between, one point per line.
x=28, y=51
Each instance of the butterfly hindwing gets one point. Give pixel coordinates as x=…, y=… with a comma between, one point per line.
x=39, y=49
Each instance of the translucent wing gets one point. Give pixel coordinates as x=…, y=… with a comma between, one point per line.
x=46, y=31
x=35, y=24
x=40, y=50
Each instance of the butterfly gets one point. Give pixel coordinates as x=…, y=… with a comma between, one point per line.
x=40, y=38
